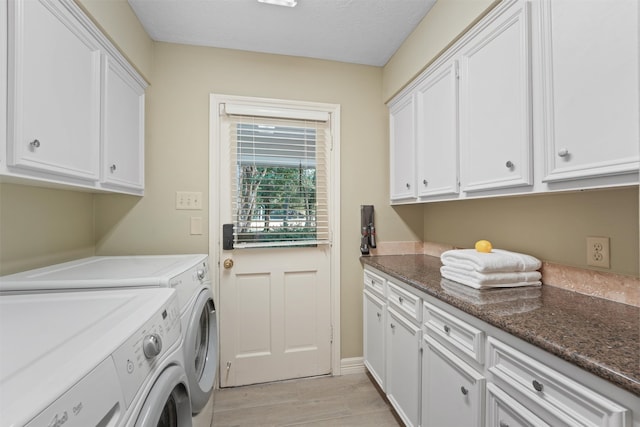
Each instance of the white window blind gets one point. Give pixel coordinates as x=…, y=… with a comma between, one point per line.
x=280, y=181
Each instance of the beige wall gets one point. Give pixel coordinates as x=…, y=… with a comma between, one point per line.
x=177, y=155
x=40, y=226
x=551, y=227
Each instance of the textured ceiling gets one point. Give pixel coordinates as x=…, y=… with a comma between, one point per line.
x=356, y=31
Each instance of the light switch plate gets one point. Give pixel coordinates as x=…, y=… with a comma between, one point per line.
x=196, y=225
x=190, y=200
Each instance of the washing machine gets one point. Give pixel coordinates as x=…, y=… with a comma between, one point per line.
x=189, y=275
x=99, y=358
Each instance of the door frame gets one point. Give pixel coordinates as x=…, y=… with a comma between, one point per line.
x=215, y=227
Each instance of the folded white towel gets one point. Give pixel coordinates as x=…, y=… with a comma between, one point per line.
x=465, y=280
x=497, y=260
x=490, y=296
x=492, y=278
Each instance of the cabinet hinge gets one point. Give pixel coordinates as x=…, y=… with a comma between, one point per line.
x=331, y=335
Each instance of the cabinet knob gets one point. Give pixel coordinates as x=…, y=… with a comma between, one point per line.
x=509, y=164
x=425, y=182
x=503, y=424
x=464, y=390
x=400, y=300
x=34, y=144
x=538, y=386
x=392, y=325
x=563, y=152
x=112, y=168
x=408, y=185
x=447, y=329
x=379, y=315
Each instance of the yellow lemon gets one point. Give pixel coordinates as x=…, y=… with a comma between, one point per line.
x=483, y=246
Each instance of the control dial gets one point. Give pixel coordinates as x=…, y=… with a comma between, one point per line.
x=151, y=345
x=200, y=273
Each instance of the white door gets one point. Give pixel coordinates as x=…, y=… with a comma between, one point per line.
x=275, y=284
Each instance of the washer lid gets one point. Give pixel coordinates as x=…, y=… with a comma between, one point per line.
x=51, y=341
x=102, y=272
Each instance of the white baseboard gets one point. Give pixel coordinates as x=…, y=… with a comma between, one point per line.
x=352, y=365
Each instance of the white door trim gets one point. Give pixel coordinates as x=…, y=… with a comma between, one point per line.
x=214, y=183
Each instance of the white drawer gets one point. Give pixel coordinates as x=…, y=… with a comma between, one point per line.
x=564, y=399
x=405, y=301
x=504, y=411
x=374, y=283
x=448, y=329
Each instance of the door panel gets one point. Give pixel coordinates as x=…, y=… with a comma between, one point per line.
x=275, y=317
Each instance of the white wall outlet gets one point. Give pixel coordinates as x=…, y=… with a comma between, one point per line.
x=598, y=252
x=189, y=200
x=196, y=225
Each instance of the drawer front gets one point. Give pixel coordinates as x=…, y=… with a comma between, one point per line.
x=374, y=284
x=504, y=411
x=450, y=330
x=561, y=396
x=405, y=301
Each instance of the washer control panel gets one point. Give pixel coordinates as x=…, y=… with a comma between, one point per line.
x=187, y=283
x=143, y=351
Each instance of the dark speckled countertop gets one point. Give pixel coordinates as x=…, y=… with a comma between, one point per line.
x=598, y=335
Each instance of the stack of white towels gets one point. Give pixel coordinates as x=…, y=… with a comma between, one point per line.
x=495, y=269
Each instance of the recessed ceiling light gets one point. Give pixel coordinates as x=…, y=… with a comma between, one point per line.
x=288, y=3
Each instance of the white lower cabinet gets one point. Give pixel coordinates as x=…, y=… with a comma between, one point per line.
x=452, y=391
x=560, y=400
x=374, y=313
x=457, y=371
x=403, y=366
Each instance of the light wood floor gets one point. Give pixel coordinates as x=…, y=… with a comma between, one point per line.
x=348, y=400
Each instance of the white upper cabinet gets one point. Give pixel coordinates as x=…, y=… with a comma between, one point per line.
x=402, y=148
x=123, y=129
x=54, y=92
x=591, y=97
x=75, y=106
x=437, y=131
x=495, y=103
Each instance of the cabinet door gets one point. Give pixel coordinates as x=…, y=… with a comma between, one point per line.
x=403, y=367
x=591, y=81
x=123, y=128
x=374, y=330
x=54, y=91
x=495, y=102
x=402, y=146
x=452, y=391
x=437, y=132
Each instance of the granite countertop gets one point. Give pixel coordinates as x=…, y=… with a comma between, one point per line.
x=598, y=335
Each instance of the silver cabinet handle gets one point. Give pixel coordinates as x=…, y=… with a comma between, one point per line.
x=509, y=164
x=464, y=390
x=536, y=385
x=400, y=300
x=447, y=329
x=34, y=144
x=503, y=424
x=563, y=152
x=392, y=325
x=425, y=182
x=408, y=185
x=112, y=168
x=379, y=315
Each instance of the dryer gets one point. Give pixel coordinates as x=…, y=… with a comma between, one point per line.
x=104, y=358
x=189, y=275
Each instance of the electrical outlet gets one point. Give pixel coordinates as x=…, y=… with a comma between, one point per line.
x=598, y=252
x=189, y=200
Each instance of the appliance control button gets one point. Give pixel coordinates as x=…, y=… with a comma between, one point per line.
x=151, y=345
x=200, y=273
